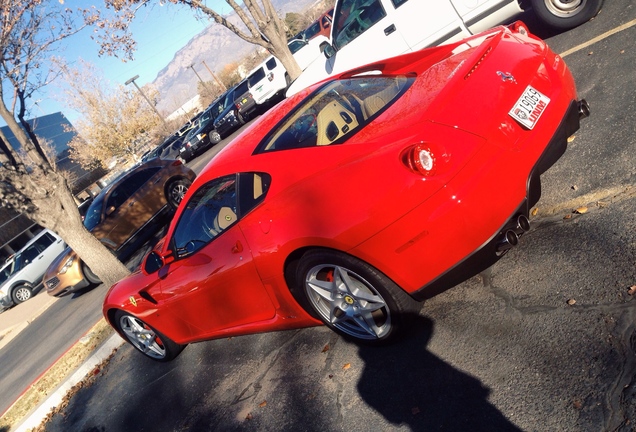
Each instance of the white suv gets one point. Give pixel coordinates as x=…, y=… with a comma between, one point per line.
x=365, y=31
x=270, y=77
x=25, y=269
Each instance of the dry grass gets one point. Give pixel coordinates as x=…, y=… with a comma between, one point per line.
x=56, y=375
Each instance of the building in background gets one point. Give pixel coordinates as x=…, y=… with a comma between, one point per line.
x=17, y=229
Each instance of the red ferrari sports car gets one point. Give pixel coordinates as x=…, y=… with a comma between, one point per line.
x=355, y=199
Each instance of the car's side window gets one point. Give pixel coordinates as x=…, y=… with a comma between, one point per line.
x=398, y=3
x=45, y=241
x=271, y=63
x=129, y=186
x=29, y=255
x=353, y=18
x=209, y=212
x=217, y=206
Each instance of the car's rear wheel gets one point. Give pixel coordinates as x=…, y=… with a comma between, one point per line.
x=566, y=14
x=353, y=298
x=21, y=294
x=147, y=340
x=90, y=276
x=176, y=191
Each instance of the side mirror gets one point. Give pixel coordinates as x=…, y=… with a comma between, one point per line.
x=154, y=261
x=328, y=50
x=110, y=210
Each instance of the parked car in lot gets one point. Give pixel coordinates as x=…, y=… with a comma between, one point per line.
x=320, y=27
x=349, y=202
x=120, y=214
x=229, y=118
x=168, y=149
x=269, y=79
x=365, y=31
x=23, y=272
x=202, y=136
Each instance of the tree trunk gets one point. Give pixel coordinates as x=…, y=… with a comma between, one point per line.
x=59, y=213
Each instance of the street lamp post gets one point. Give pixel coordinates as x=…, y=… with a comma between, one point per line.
x=132, y=80
x=198, y=76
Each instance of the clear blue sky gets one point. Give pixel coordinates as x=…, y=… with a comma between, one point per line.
x=160, y=31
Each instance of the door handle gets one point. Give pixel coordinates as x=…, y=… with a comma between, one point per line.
x=238, y=247
x=390, y=29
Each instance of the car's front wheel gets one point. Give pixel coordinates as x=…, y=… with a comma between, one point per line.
x=147, y=340
x=215, y=137
x=90, y=276
x=176, y=191
x=566, y=14
x=21, y=294
x=353, y=298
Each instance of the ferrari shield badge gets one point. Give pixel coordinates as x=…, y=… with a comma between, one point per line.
x=133, y=301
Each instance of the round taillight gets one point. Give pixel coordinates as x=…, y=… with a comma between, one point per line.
x=424, y=159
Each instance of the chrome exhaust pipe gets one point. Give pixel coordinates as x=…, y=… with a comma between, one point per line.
x=523, y=225
x=584, y=109
x=509, y=240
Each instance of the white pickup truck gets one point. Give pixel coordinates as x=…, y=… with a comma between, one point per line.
x=365, y=31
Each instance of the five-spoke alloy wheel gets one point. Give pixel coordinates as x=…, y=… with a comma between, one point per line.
x=353, y=298
x=147, y=340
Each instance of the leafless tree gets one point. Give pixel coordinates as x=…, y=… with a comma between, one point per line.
x=262, y=24
x=29, y=181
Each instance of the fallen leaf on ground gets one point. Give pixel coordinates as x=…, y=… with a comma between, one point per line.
x=577, y=404
x=567, y=216
x=535, y=211
x=581, y=210
x=326, y=348
x=248, y=416
x=571, y=138
x=346, y=366
x=574, y=187
x=571, y=302
x=632, y=290
x=262, y=404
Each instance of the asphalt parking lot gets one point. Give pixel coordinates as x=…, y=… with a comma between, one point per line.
x=542, y=341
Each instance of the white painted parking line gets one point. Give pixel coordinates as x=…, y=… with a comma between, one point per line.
x=599, y=38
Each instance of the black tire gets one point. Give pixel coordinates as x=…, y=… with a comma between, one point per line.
x=241, y=118
x=90, y=276
x=215, y=137
x=176, y=191
x=21, y=294
x=146, y=339
x=356, y=300
x=566, y=14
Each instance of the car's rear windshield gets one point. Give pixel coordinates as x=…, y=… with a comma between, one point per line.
x=256, y=77
x=335, y=112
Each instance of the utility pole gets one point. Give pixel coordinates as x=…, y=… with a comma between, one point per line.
x=132, y=80
x=202, y=82
x=220, y=84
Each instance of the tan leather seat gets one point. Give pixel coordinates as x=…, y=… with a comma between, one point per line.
x=225, y=218
x=333, y=122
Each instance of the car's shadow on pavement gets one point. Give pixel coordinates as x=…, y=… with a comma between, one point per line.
x=403, y=384
x=409, y=385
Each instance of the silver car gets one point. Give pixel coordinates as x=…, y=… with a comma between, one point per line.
x=23, y=271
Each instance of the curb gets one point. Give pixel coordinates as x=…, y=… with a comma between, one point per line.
x=36, y=417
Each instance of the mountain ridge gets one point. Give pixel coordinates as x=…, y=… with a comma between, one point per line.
x=217, y=46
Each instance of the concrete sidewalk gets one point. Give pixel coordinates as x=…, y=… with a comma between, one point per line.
x=14, y=320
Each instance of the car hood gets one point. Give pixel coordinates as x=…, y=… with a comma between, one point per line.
x=58, y=262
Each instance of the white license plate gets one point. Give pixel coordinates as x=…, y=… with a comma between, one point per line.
x=529, y=107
